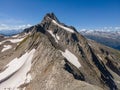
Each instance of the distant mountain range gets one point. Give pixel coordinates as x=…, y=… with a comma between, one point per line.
x=9, y=32
x=110, y=38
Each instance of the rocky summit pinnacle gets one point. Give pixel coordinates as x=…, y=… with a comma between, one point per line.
x=54, y=56
x=51, y=15
x=51, y=20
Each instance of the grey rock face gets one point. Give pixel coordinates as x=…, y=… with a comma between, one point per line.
x=51, y=70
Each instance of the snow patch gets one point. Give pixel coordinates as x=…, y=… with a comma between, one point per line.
x=89, y=44
x=99, y=57
x=16, y=72
x=2, y=42
x=15, y=35
x=6, y=47
x=28, y=78
x=24, y=88
x=66, y=28
x=16, y=40
x=57, y=37
x=54, y=36
x=12, y=40
x=71, y=58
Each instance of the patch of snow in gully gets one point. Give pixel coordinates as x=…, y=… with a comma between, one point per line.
x=66, y=28
x=15, y=35
x=16, y=73
x=71, y=58
x=12, y=40
x=53, y=35
x=57, y=37
x=6, y=47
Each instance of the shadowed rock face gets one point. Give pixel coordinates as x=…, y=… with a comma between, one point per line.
x=51, y=70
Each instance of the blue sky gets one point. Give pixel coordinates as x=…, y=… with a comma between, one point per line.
x=78, y=13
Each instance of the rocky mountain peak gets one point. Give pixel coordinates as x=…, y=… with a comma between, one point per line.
x=50, y=16
x=51, y=22
x=59, y=58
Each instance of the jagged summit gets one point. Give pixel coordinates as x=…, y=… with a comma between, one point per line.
x=51, y=16
x=51, y=22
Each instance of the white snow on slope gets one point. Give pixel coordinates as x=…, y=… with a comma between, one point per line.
x=99, y=57
x=12, y=40
x=56, y=37
x=15, y=40
x=2, y=42
x=17, y=71
x=71, y=58
x=66, y=28
x=6, y=47
x=15, y=35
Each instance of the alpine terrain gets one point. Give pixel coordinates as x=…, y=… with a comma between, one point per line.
x=54, y=56
x=109, y=38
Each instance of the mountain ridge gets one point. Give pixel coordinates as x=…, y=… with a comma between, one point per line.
x=63, y=59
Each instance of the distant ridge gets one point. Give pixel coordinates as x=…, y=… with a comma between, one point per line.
x=108, y=38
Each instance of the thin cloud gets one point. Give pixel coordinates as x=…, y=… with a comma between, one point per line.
x=117, y=28
x=17, y=27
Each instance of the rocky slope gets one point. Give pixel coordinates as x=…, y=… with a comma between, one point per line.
x=54, y=56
